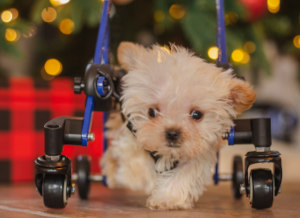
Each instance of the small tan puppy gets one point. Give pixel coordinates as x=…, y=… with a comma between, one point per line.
x=179, y=107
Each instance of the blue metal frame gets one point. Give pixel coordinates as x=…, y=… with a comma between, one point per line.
x=105, y=114
x=89, y=106
x=231, y=136
x=105, y=57
x=102, y=33
x=100, y=56
x=221, y=39
x=222, y=58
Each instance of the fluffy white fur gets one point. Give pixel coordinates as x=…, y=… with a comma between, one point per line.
x=175, y=83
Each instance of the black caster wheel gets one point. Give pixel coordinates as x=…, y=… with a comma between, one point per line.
x=55, y=190
x=261, y=188
x=237, y=176
x=83, y=174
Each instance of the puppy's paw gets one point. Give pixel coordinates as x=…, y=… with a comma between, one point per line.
x=109, y=165
x=156, y=203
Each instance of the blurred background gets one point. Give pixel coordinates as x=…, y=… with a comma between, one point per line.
x=45, y=43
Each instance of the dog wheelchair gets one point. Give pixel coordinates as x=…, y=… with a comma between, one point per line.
x=101, y=85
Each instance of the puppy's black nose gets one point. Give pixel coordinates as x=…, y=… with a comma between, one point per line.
x=173, y=134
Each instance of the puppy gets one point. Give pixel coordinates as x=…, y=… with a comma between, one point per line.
x=178, y=106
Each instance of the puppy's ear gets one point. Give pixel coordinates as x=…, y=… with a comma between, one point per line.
x=241, y=94
x=129, y=54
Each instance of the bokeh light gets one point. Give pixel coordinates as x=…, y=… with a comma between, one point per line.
x=273, y=6
x=66, y=26
x=48, y=14
x=15, y=13
x=177, y=11
x=11, y=35
x=212, y=52
x=237, y=55
x=296, y=41
x=246, y=58
x=6, y=16
x=59, y=2
x=250, y=47
x=53, y=67
x=240, y=56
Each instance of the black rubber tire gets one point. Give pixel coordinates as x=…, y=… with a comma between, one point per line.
x=83, y=173
x=237, y=176
x=55, y=190
x=261, y=188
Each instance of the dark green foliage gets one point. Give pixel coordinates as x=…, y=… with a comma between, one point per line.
x=196, y=29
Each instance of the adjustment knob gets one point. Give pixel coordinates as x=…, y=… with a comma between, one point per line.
x=78, y=85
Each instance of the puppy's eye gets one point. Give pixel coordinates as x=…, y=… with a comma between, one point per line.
x=196, y=115
x=152, y=112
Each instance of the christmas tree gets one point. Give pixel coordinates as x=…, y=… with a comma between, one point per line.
x=66, y=30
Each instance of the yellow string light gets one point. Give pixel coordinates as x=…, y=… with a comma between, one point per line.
x=59, y=2
x=53, y=67
x=296, y=41
x=273, y=6
x=6, y=16
x=237, y=55
x=212, y=52
x=250, y=47
x=177, y=11
x=11, y=35
x=240, y=56
x=66, y=26
x=15, y=13
x=246, y=58
x=48, y=14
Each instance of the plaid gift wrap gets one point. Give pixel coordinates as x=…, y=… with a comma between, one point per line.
x=25, y=106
